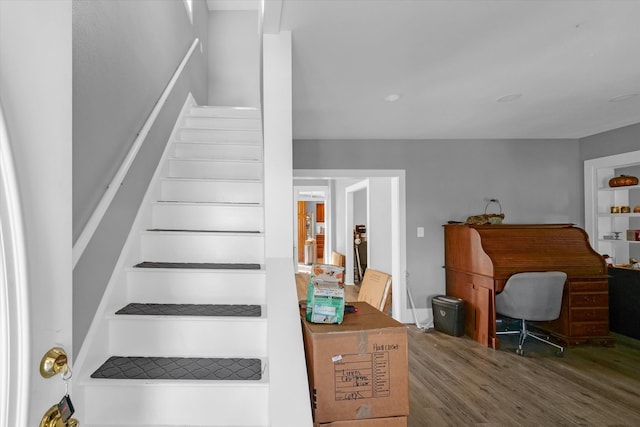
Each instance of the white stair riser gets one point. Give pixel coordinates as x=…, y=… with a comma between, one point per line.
x=211, y=169
x=212, y=191
x=202, y=247
x=187, y=336
x=218, y=135
x=199, y=122
x=203, y=150
x=247, y=113
x=178, y=404
x=195, y=287
x=207, y=217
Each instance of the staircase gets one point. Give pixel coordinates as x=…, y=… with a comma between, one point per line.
x=184, y=338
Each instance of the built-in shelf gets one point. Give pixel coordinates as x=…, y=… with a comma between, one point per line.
x=626, y=187
x=600, y=198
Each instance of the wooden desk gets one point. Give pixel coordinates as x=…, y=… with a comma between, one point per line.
x=480, y=259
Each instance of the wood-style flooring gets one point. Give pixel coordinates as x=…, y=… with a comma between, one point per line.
x=455, y=381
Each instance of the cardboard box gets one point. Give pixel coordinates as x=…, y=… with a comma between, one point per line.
x=359, y=369
x=371, y=422
x=633, y=235
x=327, y=273
x=376, y=289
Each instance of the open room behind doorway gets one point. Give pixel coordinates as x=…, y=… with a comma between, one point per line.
x=311, y=225
x=374, y=199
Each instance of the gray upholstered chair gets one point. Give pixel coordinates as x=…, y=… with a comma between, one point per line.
x=534, y=296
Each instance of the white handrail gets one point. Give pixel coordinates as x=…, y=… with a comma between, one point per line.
x=14, y=307
x=112, y=189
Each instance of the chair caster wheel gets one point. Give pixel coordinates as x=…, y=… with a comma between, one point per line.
x=560, y=353
x=520, y=352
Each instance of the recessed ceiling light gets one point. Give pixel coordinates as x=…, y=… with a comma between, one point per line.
x=392, y=97
x=623, y=97
x=509, y=98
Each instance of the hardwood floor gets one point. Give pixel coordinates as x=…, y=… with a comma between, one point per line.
x=455, y=381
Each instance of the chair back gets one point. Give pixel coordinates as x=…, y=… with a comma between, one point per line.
x=533, y=296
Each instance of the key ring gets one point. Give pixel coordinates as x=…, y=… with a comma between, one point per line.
x=66, y=376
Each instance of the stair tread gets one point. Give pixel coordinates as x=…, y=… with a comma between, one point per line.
x=185, y=179
x=200, y=265
x=219, y=310
x=182, y=202
x=255, y=160
x=180, y=368
x=204, y=231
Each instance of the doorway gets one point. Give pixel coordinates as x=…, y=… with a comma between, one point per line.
x=386, y=215
x=312, y=227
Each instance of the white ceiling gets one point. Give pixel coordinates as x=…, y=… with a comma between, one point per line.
x=450, y=61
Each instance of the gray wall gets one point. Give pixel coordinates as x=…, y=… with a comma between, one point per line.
x=617, y=141
x=536, y=181
x=124, y=54
x=234, y=68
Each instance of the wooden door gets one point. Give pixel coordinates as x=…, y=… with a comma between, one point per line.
x=302, y=229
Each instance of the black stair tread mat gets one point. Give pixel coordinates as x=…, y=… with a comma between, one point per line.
x=201, y=265
x=204, y=231
x=179, y=368
x=224, y=310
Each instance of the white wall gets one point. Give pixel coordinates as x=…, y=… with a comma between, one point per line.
x=343, y=242
x=278, y=155
x=379, y=225
x=35, y=86
x=234, y=58
x=359, y=208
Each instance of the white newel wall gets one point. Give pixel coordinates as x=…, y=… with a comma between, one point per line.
x=278, y=149
x=288, y=390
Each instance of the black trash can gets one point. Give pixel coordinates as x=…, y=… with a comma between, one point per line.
x=448, y=315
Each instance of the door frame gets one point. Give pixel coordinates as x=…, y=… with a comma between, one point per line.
x=14, y=311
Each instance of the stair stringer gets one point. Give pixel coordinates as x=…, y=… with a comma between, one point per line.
x=94, y=347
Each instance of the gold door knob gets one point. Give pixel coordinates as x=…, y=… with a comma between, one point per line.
x=54, y=361
x=52, y=418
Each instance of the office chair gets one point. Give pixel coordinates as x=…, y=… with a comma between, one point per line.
x=535, y=296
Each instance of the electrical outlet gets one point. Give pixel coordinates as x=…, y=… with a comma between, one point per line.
x=420, y=231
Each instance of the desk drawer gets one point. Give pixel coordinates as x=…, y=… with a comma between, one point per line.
x=589, y=329
x=589, y=285
x=589, y=314
x=589, y=300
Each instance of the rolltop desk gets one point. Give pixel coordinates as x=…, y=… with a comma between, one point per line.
x=480, y=258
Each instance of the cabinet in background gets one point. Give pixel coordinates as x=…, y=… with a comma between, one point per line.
x=320, y=247
x=320, y=212
x=624, y=301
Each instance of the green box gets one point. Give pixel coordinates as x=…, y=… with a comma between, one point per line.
x=325, y=302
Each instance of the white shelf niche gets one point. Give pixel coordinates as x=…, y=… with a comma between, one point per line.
x=599, y=198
